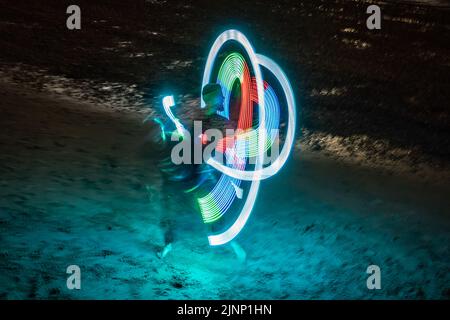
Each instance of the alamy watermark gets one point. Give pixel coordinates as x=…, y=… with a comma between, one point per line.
x=73, y=22
x=197, y=146
x=374, y=280
x=374, y=20
x=74, y=280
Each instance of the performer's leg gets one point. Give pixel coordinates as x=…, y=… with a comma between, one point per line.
x=167, y=222
x=239, y=251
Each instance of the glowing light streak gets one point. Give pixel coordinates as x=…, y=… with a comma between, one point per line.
x=169, y=102
x=249, y=142
x=275, y=166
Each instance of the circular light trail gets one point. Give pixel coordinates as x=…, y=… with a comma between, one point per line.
x=250, y=142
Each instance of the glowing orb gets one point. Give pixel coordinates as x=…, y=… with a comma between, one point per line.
x=254, y=141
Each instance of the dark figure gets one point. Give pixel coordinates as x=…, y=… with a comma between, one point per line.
x=189, y=177
x=177, y=179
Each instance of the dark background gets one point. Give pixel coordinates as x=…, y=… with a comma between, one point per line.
x=393, y=83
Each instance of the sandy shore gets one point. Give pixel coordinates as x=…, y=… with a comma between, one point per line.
x=73, y=179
